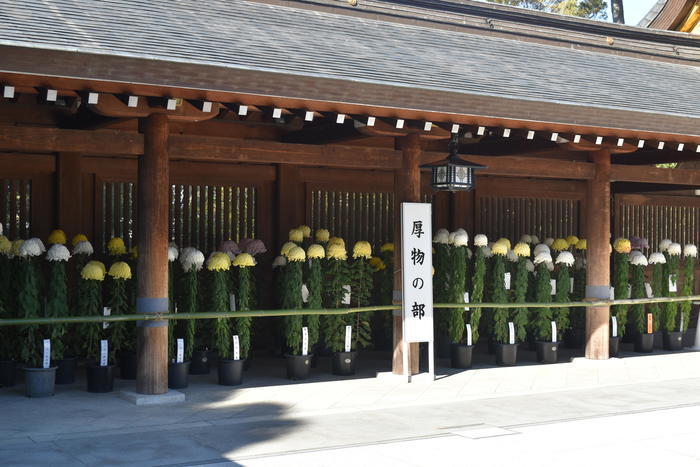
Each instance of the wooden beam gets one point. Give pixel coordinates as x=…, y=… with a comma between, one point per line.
x=32, y=139
x=641, y=174
x=656, y=156
x=110, y=105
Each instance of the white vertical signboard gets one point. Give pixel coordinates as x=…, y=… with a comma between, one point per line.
x=417, y=277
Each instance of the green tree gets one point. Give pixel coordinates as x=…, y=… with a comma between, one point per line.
x=593, y=9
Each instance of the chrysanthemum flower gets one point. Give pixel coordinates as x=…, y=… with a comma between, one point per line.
x=93, y=272
x=296, y=235
x=219, y=261
x=57, y=237
x=296, y=254
x=315, y=251
x=120, y=270
x=322, y=235
x=522, y=249
x=336, y=251
x=244, y=260
x=58, y=252
x=481, y=240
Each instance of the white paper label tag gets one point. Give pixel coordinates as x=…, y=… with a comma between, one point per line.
x=180, y=351
x=469, y=334
x=304, y=293
x=232, y=302
x=554, y=331
x=614, y=326
x=571, y=285
x=346, y=296
x=647, y=287
x=304, y=340
x=106, y=311
x=553, y=285
x=672, y=287
x=236, y=348
x=681, y=326
x=466, y=300
x=506, y=280
x=47, y=353
x=612, y=293
x=104, y=352
x=348, y=338
x=511, y=333
x=629, y=291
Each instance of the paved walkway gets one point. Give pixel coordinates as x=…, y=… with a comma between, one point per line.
x=269, y=415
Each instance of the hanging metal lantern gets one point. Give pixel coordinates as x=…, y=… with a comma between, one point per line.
x=453, y=173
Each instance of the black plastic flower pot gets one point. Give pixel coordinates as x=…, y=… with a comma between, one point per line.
x=298, y=366
x=230, y=372
x=199, y=365
x=575, y=338
x=644, y=343
x=100, y=378
x=178, y=375
x=65, y=370
x=344, y=363
x=461, y=356
x=614, y=346
x=506, y=354
x=40, y=382
x=547, y=352
x=673, y=340
x=8, y=371
x=127, y=365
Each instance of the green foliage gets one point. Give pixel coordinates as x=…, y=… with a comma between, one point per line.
x=57, y=306
x=455, y=293
x=314, y=283
x=90, y=304
x=657, y=289
x=291, y=299
x=520, y=286
x=499, y=295
x=220, y=304
x=670, y=309
x=442, y=264
x=361, y=287
x=118, y=301
x=542, y=319
x=242, y=326
x=578, y=315
x=187, y=303
x=593, y=9
x=477, y=292
x=638, y=291
x=30, y=307
x=333, y=292
x=561, y=315
x=687, y=289
x=621, y=283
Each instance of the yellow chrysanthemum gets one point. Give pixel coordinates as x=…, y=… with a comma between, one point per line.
x=116, y=246
x=504, y=241
x=93, y=272
x=305, y=230
x=337, y=251
x=134, y=252
x=99, y=264
x=377, y=263
x=244, y=260
x=16, y=244
x=120, y=270
x=79, y=238
x=499, y=248
x=5, y=245
x=522, y=249
x=560, y=244
x=322, y=235
x=286, y=247
x=219, y=262
x=572, y=240
x=336, y=241
x=315, y=251
x=57, y=237
x=362, y=249
x=296, y=235
x=623, y=245
x=387, y=247
x=296, y=254
x=581, y=244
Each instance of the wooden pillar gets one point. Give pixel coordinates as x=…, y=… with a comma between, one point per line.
x=598, y=257
x=152, y=267
x=69, y=198
x=406, y=189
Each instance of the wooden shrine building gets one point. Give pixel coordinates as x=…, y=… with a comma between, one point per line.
x=245, y=118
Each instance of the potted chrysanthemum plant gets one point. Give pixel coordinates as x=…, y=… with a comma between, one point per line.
x=561, y=316
x=575, y=336
x=638, y=264
x=545, y=342
x=334, y=295
x=519, y=286
x=503, y=328
x=441, y=265
x=218, y=265
x=9, y=343
x=478, y=282
x=382, y=322
x=673, y=334
x=621, y=259
x=648, y=321
x=96, y=336
x=315, y=253
x=40, y=376
x=56, y=307
x=298, y=358
x=690, y=253
x=191, y=262
x=118, y=277
x=461, y=343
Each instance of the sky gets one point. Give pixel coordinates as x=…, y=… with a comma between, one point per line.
x=635, y=10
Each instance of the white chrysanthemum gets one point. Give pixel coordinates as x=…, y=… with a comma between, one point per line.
x=690, y=250
x=634, y=253
x=512, y=256
x=32, y=247
x=461, y=239
x=657, y=258
x=525, y=238
x=481, y=240
x=451, y=238
x=442, y=236
x=83, y=248
x=534, y=239
x=541, y=248
x=191, y=258
x=58, y=252
x=529, y=265
x=543, y=257
x=279, y=261
x=664, y=244
x=0, y=228
x=486, y=251
x=674, y=249
x=172, y=253
x=565, y=257
x=548, y=241
x=639, y=260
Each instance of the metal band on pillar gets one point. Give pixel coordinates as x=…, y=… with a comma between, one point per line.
x=152, y=305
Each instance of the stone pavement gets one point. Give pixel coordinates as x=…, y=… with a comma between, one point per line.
x=270, y=415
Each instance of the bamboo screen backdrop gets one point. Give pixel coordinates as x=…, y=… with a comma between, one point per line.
x=16, y=207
